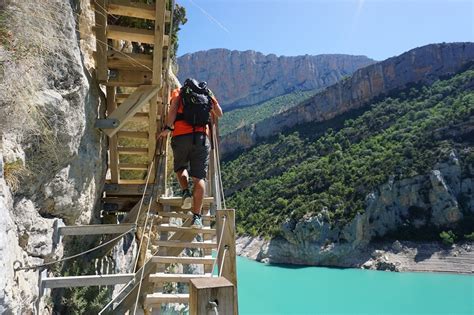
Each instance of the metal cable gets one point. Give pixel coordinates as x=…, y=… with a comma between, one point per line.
x=222, y=262
x=76, y=255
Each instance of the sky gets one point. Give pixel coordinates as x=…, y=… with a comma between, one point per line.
x=378, y=29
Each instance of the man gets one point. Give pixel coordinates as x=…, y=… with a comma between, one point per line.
x=191, y=148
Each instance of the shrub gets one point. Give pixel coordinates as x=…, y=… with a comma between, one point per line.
x=448, y=237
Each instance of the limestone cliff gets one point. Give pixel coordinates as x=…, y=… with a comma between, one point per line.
x=246, y=78
x=396, y=204
x=52, y=158
x=420, y=65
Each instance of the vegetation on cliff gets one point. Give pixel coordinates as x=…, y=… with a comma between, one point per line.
x=334, y=165
x=252, y=114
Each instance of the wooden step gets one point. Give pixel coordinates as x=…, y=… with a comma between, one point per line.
x=133, y=134
x=206, y=260
x=173, y=277
x=128, y=61
x=133, y=167
x=129, y=78
x=183, y=215
x=95, y=229
x=178, y=244
x=133, y=9
x=178, y=201
x=131, y=106
x=171, y=228
x=85, y=281
x=156, y=299
x=131, y=34
x=125, y=190
x=132, y=151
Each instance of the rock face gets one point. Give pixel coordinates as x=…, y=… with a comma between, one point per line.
x=246, y=78
x=52, y=157
x=430, y=200
x=420, y=65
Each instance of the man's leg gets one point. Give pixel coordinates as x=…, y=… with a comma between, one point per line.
x=198, y=194
x=183, y=176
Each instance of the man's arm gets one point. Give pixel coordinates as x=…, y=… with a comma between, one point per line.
x=216, y=108
x=172, y=112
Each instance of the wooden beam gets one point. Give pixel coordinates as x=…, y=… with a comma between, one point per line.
x=156, y=299
x=204, y=290
x=170, y=277
x=101, y=39
x=127, y=61
x=131, y=106
x=128, y=78
x=168, y=16
x=95, y=229
x=133, y=134
x=85, y=281
x=113, y=141
x=133, y=9
x=131, y=34
x=207, y=260
x=133, y=166
x=179, y=244
x=125, y=190
x=158, y=49
x=170, y=228
x=178, y=201
x=225, y=223
x=133, y=151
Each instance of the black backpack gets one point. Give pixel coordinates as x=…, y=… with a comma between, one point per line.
x=197, y=103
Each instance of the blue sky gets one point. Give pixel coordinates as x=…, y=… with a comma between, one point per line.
x=376, y=28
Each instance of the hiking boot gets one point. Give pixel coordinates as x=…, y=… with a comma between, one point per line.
x=197, y=221
x=187, y=199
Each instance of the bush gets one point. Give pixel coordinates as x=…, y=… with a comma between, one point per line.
x=448, y=237
x=469, y=237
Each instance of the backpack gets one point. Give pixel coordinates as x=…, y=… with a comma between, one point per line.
x=197, y=103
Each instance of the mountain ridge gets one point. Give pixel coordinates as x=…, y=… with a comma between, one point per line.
x=246, y=78
x=366, y=84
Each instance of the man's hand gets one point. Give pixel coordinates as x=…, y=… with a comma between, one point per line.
x=164, y=133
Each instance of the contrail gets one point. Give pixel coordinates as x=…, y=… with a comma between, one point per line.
x=210, y=17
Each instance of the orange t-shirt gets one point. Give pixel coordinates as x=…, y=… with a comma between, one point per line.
x=181, y=127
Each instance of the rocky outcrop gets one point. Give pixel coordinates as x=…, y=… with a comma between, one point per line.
x=246, y=78
x=421, y=65
x=53, y=157
x=430, y=200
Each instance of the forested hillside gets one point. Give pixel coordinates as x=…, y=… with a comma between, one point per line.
x=331, y=167
x=252, y=114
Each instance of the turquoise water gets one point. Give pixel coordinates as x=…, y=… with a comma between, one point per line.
x=272, y=289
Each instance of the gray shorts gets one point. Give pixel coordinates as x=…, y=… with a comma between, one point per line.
x=193, y=157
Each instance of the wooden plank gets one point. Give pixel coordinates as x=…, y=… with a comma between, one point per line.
x=166, y=40
x=133, y=166
x=133, y=9
x=101, y=39
x=133, y=151
x=113, y=141
x=133, y=134
x=179, y=244
x=158, y=41
x=131, y=106
x=225, y=220
x=128, y=61
x=131, y=34
x=177, y=201
x=128, y=78
x=155, y=299
x=170, y=228
x=183, y=215
x=168, y=16
x=126, y=190
x=95, y=229
x=84, y=281
x=132, y=181
x=204, y=290
x=169, y=277
x=207, y=260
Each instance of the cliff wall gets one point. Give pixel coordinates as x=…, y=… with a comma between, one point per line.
x=246, y=78
x=52, y=158
x=420, y=65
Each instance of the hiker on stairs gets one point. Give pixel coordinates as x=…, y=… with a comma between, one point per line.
x=193, y=108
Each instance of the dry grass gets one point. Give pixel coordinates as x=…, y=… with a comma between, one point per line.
x=14, y=173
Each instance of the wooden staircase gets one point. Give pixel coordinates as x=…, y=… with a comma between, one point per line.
x=137, y=97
